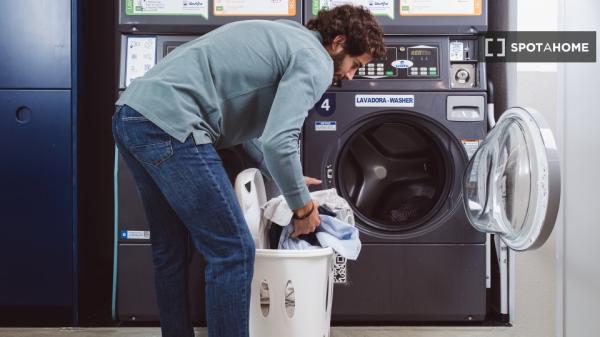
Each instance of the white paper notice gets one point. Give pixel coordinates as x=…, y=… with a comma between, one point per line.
x=141, y=56
x=255, y=7
x=167, y=7
x=456, y=51
x=377, y=7
x=440, y=7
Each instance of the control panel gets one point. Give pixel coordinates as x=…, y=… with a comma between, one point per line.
x=423, y=63
x=404, y=61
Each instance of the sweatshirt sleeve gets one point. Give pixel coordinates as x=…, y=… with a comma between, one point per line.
x=253, y=148
x=305, y=79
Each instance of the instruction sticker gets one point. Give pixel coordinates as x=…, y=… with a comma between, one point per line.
x=456, y=51
x=378, y=8
x=141, y=56
x=254, y=7
x=167, y=7
x=440, y=7
x=135, y=235
x=384, y=101
x=325, y=126
x=471, y=146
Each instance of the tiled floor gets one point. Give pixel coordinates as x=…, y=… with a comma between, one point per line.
x=335, y=332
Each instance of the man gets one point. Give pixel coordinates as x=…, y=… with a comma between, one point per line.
x=242, y=81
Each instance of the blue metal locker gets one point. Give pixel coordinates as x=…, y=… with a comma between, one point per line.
x=38, y=278
x=36, y=179
x=35, y=44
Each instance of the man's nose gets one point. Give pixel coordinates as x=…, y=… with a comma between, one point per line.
x=350, y=74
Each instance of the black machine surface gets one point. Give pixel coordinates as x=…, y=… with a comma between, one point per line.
x=395, y=143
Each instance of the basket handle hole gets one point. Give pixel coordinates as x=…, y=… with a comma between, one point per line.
x=265, y=298
x=290, y=299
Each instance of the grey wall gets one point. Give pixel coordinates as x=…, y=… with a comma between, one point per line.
x=580, y=119
x=535, y=286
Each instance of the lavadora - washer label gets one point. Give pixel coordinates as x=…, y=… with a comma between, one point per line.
x=384, y=101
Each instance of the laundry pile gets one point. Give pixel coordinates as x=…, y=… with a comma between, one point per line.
x=336, y=230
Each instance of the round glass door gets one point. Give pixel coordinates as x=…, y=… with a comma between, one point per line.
x=512, y=183
x=395, y=172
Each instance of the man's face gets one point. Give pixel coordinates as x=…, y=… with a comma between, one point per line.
x=345, y=66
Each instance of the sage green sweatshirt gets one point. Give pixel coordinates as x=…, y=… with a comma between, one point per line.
x=245, y=80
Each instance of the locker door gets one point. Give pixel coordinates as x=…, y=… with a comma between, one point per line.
x=35, y=44
x=36, y=194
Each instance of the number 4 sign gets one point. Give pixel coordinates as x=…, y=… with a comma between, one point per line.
x=326, y=105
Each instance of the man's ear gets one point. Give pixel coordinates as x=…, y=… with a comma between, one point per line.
x=337, y=45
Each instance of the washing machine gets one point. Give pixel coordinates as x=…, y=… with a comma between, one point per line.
x=407, y=144
x=395, y=142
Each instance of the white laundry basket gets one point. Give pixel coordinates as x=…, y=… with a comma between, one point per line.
x=292, y=290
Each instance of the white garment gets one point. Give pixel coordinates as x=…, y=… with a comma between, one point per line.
x=276, y=210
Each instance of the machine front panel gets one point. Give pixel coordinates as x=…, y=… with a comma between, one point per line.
x=418, y=16
x=200, y=16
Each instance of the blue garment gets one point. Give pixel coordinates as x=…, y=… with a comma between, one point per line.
x=185, y=191
x=343, y=238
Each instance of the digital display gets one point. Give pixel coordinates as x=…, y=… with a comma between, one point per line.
x=169, y=46
x=420, y=52
x=170, y=49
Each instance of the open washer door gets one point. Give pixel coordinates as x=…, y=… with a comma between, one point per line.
x=512, y=183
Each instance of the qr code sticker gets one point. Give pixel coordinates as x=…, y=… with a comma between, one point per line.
x=340, y=275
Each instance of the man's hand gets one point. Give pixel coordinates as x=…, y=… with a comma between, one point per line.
x=312, y=181
x=310, y=223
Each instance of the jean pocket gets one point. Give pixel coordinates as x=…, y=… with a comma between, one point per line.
x=128, y=114
x=153, y=154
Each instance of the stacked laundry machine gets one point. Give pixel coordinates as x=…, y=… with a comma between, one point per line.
x=398, y=138
x=407, y=142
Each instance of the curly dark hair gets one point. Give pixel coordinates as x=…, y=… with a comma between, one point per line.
x=362, y=31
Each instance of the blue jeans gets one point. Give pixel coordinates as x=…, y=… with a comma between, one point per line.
x=185, y=191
